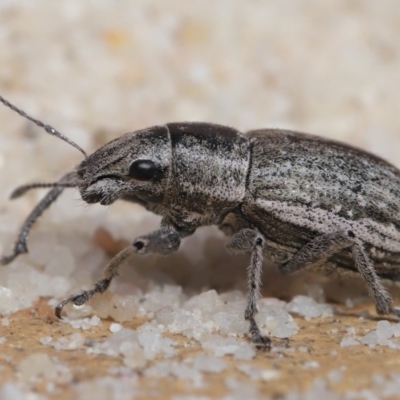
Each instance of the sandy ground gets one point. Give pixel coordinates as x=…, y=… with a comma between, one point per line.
x=95, y=70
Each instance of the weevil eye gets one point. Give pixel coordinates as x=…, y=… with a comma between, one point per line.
x=144, y=170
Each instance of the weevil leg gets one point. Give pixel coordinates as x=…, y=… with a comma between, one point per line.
x=162, y=241
x=383, y=300
x=112, y=270
x=325, y=246
x=20, y=246
x=248, y=240
x=317, y=251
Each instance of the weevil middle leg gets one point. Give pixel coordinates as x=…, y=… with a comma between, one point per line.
x=248, y=240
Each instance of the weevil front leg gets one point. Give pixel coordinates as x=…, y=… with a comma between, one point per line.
x=20, y=246
x=165, y=241
x=325, y=246
x=248, y=240
x=112, y=270
x=162, y=241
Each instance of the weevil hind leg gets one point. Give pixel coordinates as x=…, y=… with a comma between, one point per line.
x=247, y=240
x=112, y=270
x=395, y=312
x=383, y=300
x=325, y=246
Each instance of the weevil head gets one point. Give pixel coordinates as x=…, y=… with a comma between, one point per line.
x=134, y=166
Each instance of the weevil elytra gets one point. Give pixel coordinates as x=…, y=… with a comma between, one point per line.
x=297, y=199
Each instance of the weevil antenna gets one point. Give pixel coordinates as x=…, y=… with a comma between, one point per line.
x=49, y=129
x=21, y=190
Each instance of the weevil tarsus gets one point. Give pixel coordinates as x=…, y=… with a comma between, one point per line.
x=111, y=271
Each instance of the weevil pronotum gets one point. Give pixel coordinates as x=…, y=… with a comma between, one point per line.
x=297, y=199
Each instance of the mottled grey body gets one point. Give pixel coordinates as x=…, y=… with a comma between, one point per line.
x=301, y=186
x=290, y=186
x=298, y=199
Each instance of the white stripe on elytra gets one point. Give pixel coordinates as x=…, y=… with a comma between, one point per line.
x=323, y=221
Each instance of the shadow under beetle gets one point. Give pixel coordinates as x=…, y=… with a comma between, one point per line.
x=297, y=199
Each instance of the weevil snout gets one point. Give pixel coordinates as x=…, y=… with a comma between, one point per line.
x=105, y=190
x=135, y=165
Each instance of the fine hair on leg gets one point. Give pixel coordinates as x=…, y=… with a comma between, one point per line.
x=254, y=272
x=248, y=240
x=383, y=300
x=163, y=241
x=112, y=270
x=325, y=246
x=20, y=246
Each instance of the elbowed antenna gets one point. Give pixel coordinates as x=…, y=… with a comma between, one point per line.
x=49, y=129
x=21, y=190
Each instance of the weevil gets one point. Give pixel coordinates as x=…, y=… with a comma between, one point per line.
x=296, y=199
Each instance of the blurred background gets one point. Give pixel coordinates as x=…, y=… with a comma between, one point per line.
x=97, y=69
